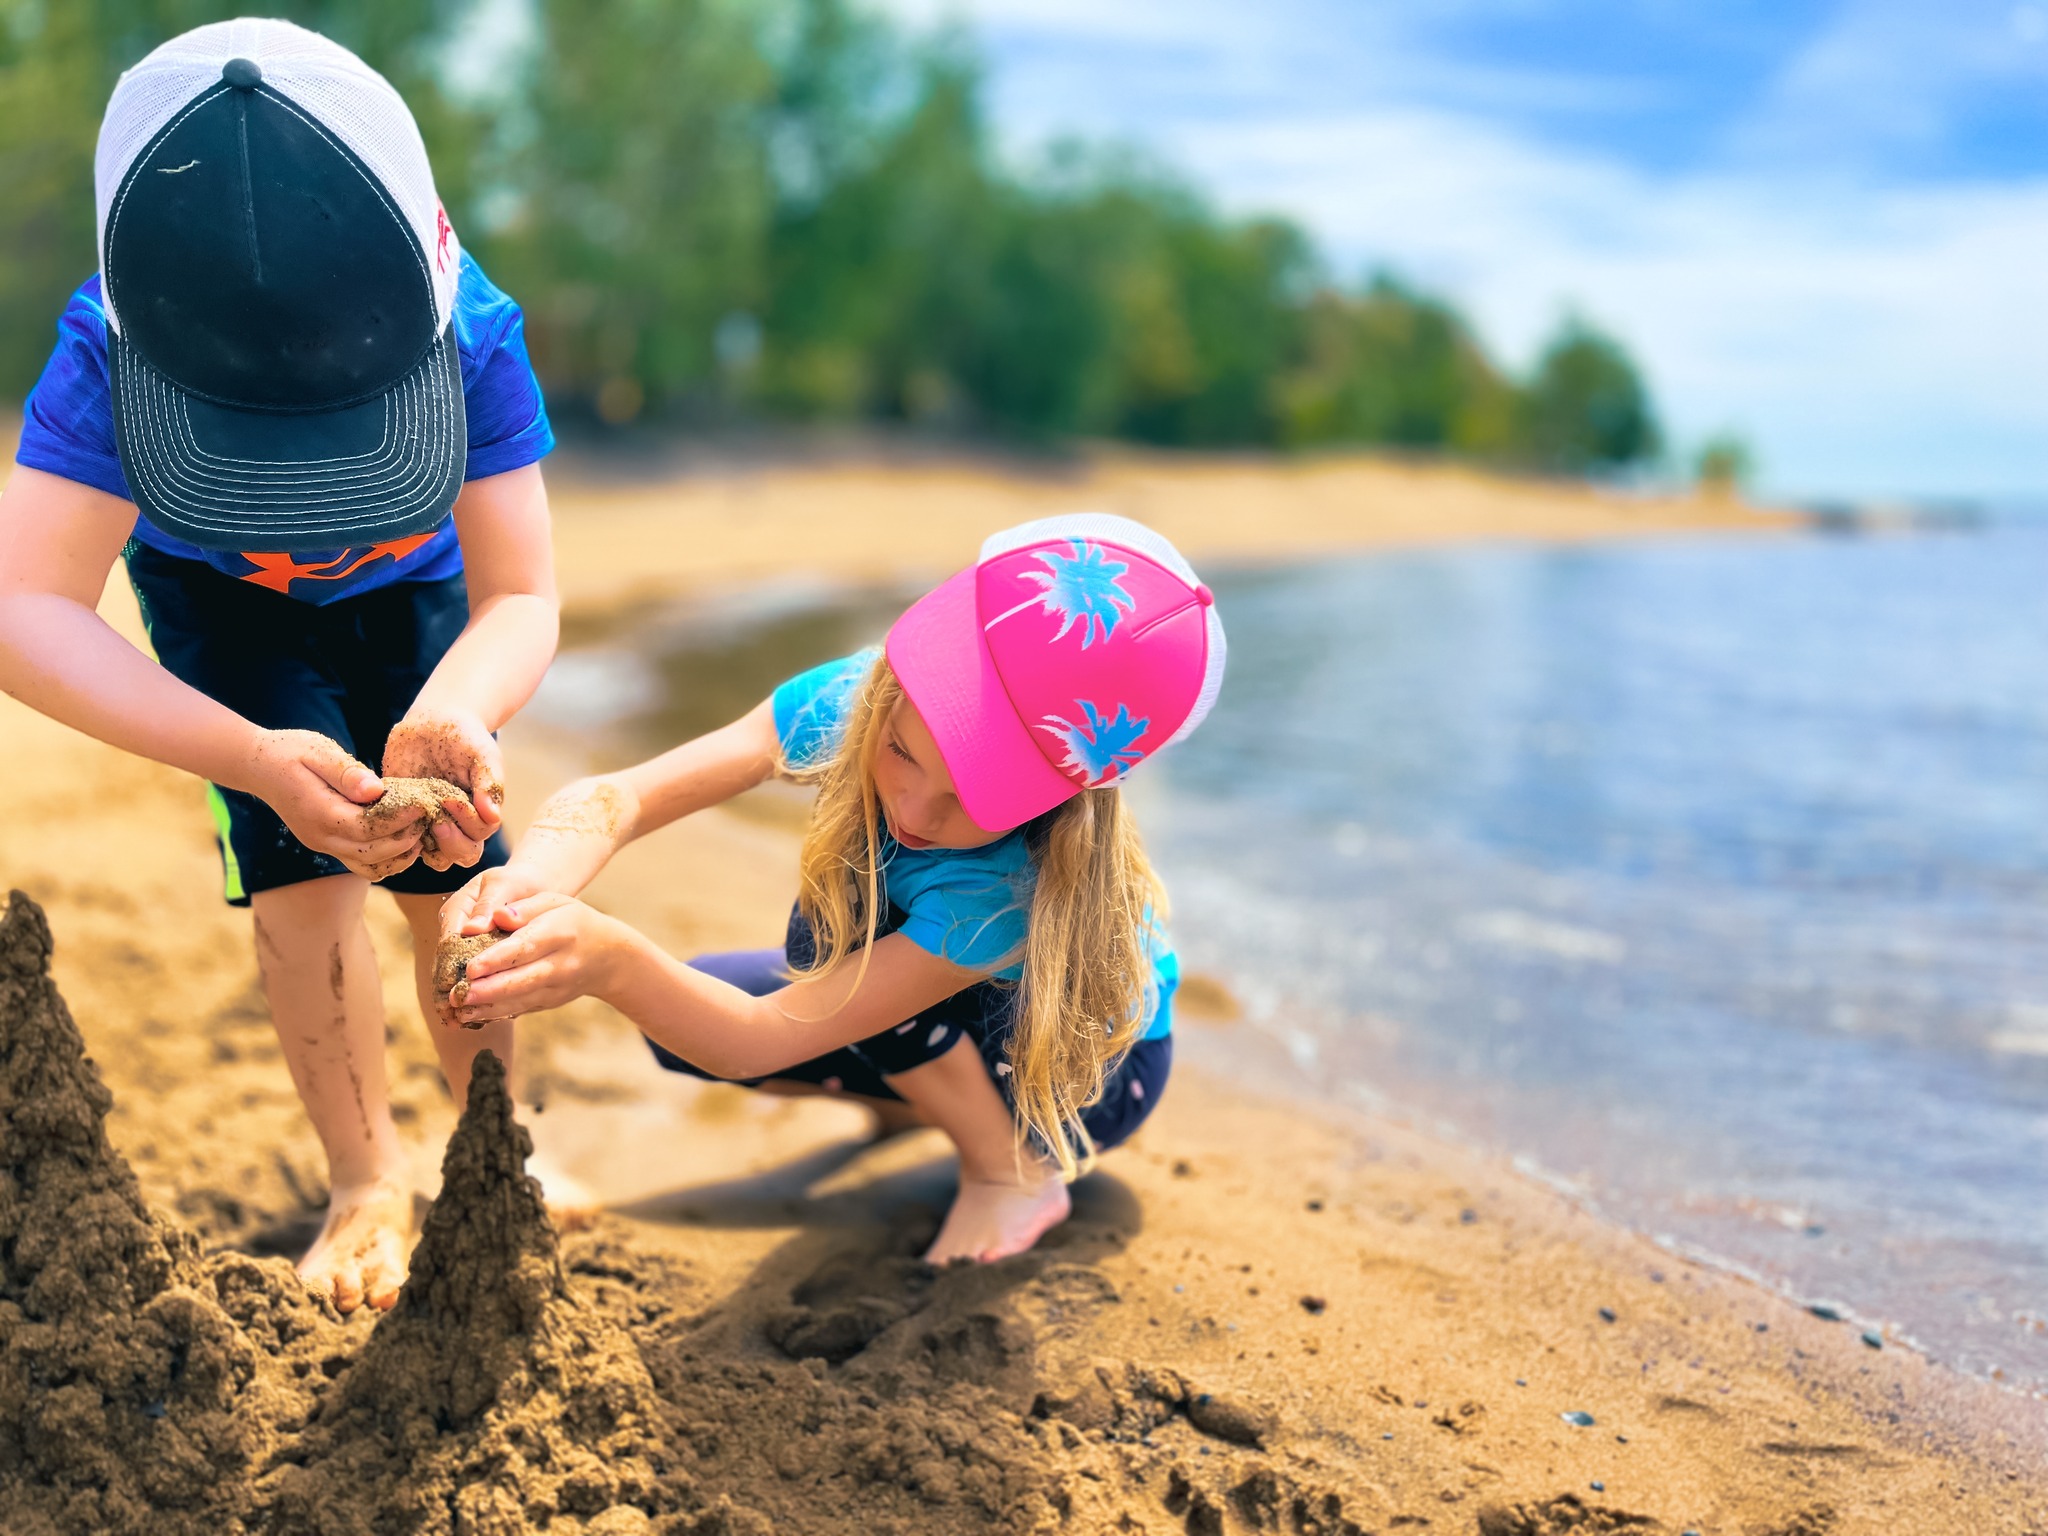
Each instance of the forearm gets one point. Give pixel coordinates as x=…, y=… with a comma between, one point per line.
x=710, y=1024
x=497, y=661
x=577, y=830
x=62, y=660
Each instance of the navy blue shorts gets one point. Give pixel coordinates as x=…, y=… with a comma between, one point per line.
x=349, y=670
x=981, y=1012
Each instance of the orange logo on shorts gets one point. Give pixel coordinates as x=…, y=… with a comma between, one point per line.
x=278, y=572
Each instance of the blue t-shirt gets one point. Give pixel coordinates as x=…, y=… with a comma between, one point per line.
x=68, y=429
x=971, y=906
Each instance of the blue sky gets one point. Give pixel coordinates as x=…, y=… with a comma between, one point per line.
x=1822, y=225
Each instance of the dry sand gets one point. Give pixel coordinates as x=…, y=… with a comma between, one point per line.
x=1258, y=1320
x=865, y=521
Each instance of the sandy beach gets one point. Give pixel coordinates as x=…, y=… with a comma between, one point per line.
x=1260, y=1318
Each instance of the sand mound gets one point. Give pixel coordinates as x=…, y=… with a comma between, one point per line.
x=131, y=1397
x=145, y=1388
x=492, y=1398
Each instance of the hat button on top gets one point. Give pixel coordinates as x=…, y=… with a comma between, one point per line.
x=1204, y=596
x=242, y=74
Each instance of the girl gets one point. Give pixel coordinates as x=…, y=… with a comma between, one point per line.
x=977, y=940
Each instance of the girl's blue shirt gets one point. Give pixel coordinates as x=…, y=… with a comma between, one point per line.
x=971, y=906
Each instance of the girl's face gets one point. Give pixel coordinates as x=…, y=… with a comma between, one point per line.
x=915, y=789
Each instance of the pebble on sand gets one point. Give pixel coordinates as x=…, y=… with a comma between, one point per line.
x=1313, y=1305
x=1825, y=1313
x=1873, y=1338
x=1607, y=1315
x=1579, y=1418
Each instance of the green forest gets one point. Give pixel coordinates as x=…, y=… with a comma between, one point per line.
x=713, y=210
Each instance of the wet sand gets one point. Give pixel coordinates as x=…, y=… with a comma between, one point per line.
x=1259, y=1319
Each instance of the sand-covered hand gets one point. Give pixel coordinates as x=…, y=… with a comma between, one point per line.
x=405, y=800
x=451, y=966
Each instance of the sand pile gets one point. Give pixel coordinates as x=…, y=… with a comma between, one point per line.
x=144, y=1387
x=141, y=1387
x=492, y=1398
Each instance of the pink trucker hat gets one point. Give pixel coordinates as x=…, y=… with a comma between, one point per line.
x=1074, y=649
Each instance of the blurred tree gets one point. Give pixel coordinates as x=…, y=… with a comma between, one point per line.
x=626, y=195
x=881, y=250
x=1586, y=408
x=1393, y=366
x=794, y=206
x=1724, y=465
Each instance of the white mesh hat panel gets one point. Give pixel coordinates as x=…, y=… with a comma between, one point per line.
x=325, y=81
x=1108, y=528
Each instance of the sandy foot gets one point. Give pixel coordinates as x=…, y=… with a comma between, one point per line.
x=572, y=1204
x=992, y=1219
x=360, y=1253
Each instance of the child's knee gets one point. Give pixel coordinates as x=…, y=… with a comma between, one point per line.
x=312, y=921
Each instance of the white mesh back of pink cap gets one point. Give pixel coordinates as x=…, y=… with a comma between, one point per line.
x=1108, y=528
x=318, y=76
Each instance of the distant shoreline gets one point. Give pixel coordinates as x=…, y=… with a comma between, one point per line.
x=882, y=518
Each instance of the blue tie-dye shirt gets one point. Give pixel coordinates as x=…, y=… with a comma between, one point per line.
x=971, y=906
x=68, y=429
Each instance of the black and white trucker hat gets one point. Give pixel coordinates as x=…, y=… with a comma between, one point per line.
x=278, y=277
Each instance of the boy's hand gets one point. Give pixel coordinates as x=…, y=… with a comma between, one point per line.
x=559, y=950
x=473, y=909
x=319, y=792
x=429, y=744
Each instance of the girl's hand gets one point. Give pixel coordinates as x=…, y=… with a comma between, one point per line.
x=558, y=950
x=457, y=747
x=474, y=909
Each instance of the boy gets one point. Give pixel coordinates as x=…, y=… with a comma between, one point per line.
x=307, y=420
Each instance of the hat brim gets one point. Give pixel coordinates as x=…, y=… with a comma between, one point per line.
x=292, y=482
x=939, y=654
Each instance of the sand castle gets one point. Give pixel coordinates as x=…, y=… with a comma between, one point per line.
x=147, y=1388
x=142, y=1387
x=491, y=1390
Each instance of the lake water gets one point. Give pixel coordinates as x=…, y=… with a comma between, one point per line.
x=1709, y=880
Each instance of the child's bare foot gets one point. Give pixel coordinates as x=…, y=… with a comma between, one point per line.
x=994, y=1218
x=572, y=1205
x=360, y=1253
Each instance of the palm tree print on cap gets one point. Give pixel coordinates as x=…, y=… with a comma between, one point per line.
x=1099, y=749
x=1082, y=587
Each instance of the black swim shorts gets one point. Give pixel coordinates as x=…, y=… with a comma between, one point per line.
x=349, y=669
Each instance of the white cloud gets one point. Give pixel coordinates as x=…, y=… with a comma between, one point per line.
x=1868, y=342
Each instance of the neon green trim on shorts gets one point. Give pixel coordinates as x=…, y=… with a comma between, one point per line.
x=231, y=867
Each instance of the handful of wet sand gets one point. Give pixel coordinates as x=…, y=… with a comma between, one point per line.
x=451, y=966
x=404, y=799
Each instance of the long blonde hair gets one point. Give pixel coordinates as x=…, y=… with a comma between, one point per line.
x=1088, y=983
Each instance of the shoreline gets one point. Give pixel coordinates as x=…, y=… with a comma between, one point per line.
x=1443, y=1279
x=865, y=521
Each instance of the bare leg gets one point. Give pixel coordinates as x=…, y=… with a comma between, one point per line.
x=326, y=1004
x=1009, y=1196
x=569, y=1202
